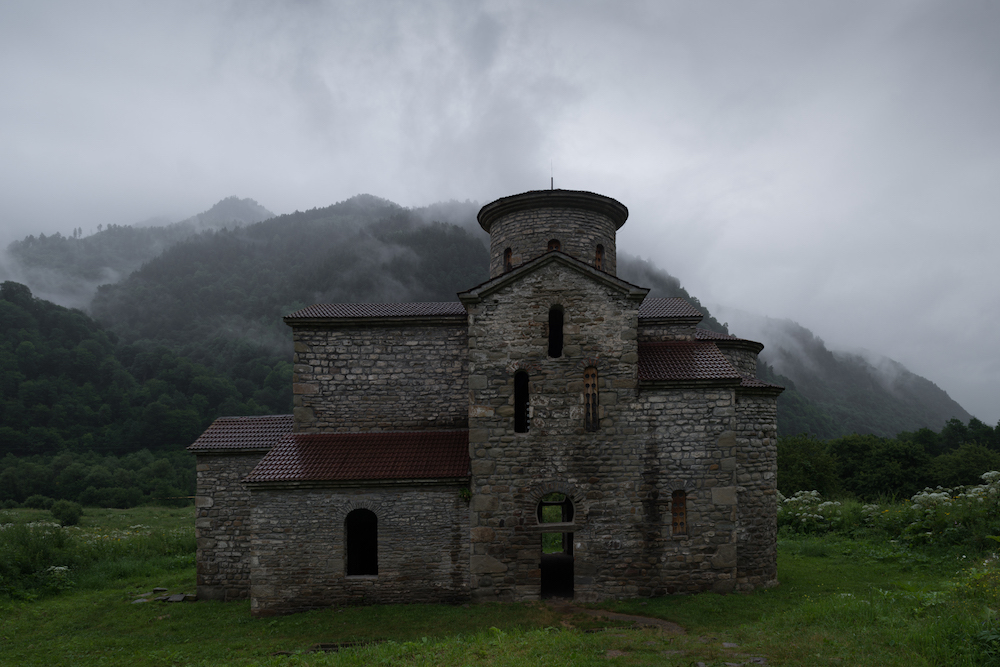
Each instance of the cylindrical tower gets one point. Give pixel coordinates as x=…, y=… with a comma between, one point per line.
x=525, y=226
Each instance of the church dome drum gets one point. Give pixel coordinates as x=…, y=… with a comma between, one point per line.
x=527, y=225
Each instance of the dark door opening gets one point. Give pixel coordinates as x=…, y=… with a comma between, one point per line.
x=361, y=533
x=557, y=565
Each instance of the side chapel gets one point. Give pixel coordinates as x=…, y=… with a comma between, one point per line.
x=551, y=432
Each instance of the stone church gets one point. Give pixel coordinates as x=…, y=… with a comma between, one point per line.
x=554, y=431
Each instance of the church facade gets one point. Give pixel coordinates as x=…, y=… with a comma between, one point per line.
x=554, y=431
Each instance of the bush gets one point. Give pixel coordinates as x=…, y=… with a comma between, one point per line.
x=67, y=512
x=807, y=512
x=38, y=502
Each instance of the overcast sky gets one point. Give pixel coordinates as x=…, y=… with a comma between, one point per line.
x=837, y=163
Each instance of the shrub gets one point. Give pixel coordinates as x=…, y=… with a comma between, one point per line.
x=961, y=515
x=38, y=502
x=67, y=512
x=807, y=512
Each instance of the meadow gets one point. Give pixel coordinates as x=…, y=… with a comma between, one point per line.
x=912, y=583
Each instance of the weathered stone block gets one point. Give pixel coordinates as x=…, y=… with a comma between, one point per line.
x=724, y=495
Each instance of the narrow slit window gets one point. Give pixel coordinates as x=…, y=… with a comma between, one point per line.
x=678, y=511
x=521, y=402
x=591, y=418
x=555, y=245
x=555, y=332
x=361, y=537
x=599, y=258
x=508, y=259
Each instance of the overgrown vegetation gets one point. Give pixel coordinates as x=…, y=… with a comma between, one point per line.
x=860, y=601
x=40, y=556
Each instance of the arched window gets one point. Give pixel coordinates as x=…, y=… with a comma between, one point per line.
x=591, y=418
x=555, y=508
x=555, y=245
x=599, y=258
x=555, y=331
x=678, y=512
x=361, y=536
x=508, y=259
x=521, y=402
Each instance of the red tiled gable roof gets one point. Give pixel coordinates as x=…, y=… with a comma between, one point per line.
x=673, y=307
x=347, y=310
x=683, y=360
x=244, y=432
x=324, y=457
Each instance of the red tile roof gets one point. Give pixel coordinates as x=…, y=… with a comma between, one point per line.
x=244, y=432
x=673, y=307
x=684, y=360
x=323, y=457
x=348, y=310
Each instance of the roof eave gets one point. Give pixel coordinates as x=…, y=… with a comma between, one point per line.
x=772, y=390
x=680, y=319
x=220, y=451
x=688, y=383
x=740, y=343
x=345, y=322
x=356, y=483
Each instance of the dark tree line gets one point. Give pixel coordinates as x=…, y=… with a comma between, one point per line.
x=66, y=384
x=869, y=467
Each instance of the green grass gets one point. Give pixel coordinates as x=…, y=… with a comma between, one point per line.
x=840, y=602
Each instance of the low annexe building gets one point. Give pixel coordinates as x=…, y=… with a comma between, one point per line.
x=554, y=431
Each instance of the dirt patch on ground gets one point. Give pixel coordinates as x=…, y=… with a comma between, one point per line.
x=567, y=608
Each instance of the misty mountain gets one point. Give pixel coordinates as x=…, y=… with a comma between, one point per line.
x=854, y=392
x=68, y=269
x=215, y=294
x=217, y=291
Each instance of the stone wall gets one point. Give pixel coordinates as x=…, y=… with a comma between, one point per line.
x=653, y=440
x=222, y=525
x=650, y=332
x=757, y=461
x=527, y=233
x=380, y=378
x=742, y=358
x=299, y=552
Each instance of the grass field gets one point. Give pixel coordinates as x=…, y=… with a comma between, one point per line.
x=840, y=602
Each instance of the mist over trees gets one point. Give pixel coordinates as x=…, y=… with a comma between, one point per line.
x=68, y=269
